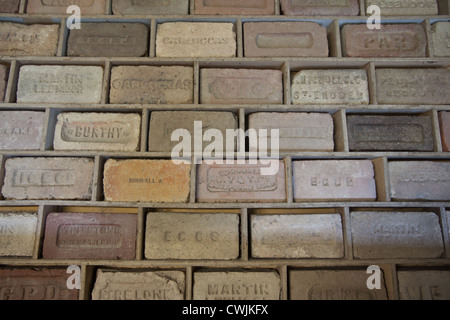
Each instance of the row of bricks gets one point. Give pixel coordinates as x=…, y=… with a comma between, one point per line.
x=212, y=39
x=169, y=181
x=297, y=131
x=216, y=236
x=175, y=85
x=225, y=7
x=265, y=284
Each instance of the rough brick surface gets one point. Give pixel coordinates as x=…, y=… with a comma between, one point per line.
x=88, y=7
x=444, y=121
x=424, y=284
x=17, y=234
x=3, y=81
x=440, y=37
x=21, y=130
x=9, y=6
x=320, y=8
x=405, y=8
x=150, y=7
x=235, y=7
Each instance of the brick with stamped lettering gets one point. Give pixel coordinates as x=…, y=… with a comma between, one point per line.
x=37, y=283
x=194, y=236
x=413, y=86
x=241, y=86
x=109, y=40
x=440, y=37
x=48, y=178
x=9, y=6
x=427, y=284
x=196, y=40
x=345, y=86
x=3, y=81
x=17, y=234
x=405, y=8
x=150, y=7
x=138, y=180
x=334, y=180
x=88, y=7
x=60, y=84
x=297, y=236
x=320, y=7
x=97, y=131
x=28, y=40
x=396, y=235
x=21, y=130
x=285, y=39
x=325, y=284
x=152, y=85
x=444, y=122
x=91, y=236
x=392, y=40
x=419, y=180
x=235, y=7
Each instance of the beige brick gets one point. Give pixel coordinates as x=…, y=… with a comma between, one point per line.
x=17, y=233
x=424, y=285
x=440, y=38
x=88, y=7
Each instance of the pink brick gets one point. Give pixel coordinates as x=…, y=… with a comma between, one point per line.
x=320, y=7
x=235, y=7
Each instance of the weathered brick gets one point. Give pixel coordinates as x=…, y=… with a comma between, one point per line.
x=320, y=8
x=241, y=86
x=150, y=7
x=263, y=285
x=285, y=39
x=419, y=180
x=17, y=233
x=192, y=236
x=440, y=39
x=3, y=81
x=334, y=180
x=333, y=285
x=392, y=40
x=413, y=86
x=390, y=133
x=28, y=40
x=346, y=86
x=240, y=183
x=396, y=235
x=139, y=285
x=97, y=131
x=21, y=130
x=405, y=8
x=109, y=40
x=235, y=7
x=297, y=236
x=60, y=84
x=152, y=85
x=48, y=178
x=444, y=121
x=195, y=40
x=9, y=6
x=146, y=181
x=424, y=284
x=88, y=7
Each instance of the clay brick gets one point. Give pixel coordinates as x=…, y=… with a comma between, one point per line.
x=333, y=285
x=235, y=7
x=21, y=130
x=3, y=81
x=195, y=40
x=48, y=178
x=392, y=40
x=93, y=236
x=150, y=285
x=88, y=7
x=241, y=86
x=413, y=86
x=297, y=131
x=240, y=183
x=192, y=236
x=444, y=121
x=419, y=180
x=152, y=85
x=9, y=6
x=60, y=84
x=320, y=8
x=396, y=235
x=36, y=284
x=285, y=39
x=97, y=131
x=440, y=35
x=150, y=7
x=405, y=8
x=146, y=181
x=346, y=86
x=17, y=234
x=424, y=284
x=109, y=40
x=164, y=123
x=297, y=236
x=334, y=180
x=390, y=133
x=262, y=285
x=28, y=40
